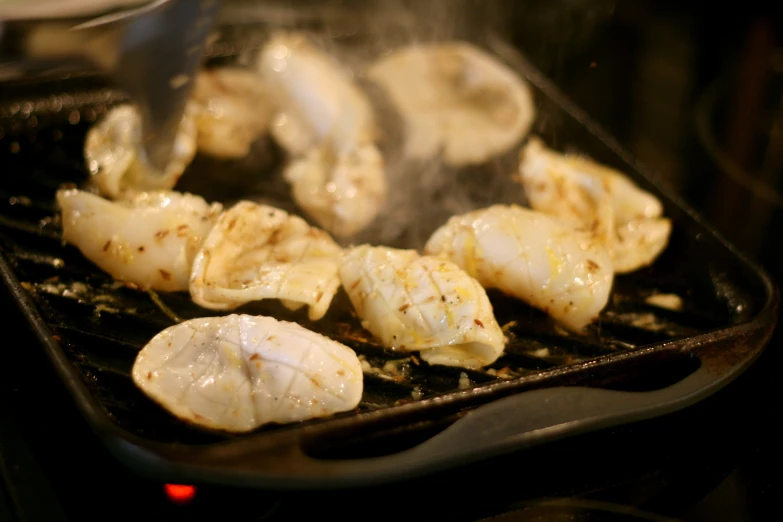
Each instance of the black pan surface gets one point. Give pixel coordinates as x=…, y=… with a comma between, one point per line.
x=638, y=361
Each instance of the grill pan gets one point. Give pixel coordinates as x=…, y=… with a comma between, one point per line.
x=639, y=361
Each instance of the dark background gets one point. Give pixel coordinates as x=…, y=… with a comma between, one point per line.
x=693, y=89
x=648, y=72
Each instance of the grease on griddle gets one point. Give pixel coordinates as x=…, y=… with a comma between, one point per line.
x=503, y=373
x=105, y=301
x=667, y=301
x=393, y=370
x=164, y=307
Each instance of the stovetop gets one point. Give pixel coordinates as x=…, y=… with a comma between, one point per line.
x=681, y=88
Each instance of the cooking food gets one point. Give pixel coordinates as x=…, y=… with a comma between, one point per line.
x=456, y=100
x=325, y=122
x=311, y=91
x=260, y=252
x=532, y=256
x=147, y=238
x=233, y=111
x=112, y=151
x=420, y=303
x=343, y=193
x=96, y=326
x=591, y=197
x=238, y=372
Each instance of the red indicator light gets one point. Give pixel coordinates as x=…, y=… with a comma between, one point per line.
x=180, y=493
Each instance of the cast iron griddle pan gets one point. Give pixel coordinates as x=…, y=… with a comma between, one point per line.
x=637, y=362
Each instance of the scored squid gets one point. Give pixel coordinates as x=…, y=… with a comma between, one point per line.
x=259, y=252
x=148, y=238
x=421, y=303
x=326, y=124
x=590, y=197
x=239, y=372
x=530, y=256
x=455, y=99
x=114, y=156
x=232, y=111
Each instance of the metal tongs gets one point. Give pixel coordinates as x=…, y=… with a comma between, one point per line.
x=150, y=49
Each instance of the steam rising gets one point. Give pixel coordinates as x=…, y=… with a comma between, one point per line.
x=422, y=195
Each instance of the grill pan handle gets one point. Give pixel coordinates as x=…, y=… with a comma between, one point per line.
x=519, y=421
x=528, y=419
x=545, y=415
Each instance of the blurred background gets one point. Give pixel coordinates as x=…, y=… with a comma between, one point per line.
x=692, y=89
x=695, y=91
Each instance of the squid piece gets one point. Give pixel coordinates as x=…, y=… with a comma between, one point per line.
x=148, y=239
x=259, y=252
x=312, y=94
x=532, y=257
x=239, y=372
x=421, y=303
x=457, y=100
x=327, y=126
x=233, y=111
x=591, y=197
x=116, y=164
x=342, y=193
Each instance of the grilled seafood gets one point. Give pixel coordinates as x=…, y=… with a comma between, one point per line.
x=591, y=197
x=326, y=124
x=112, y=151
x=238, y=372
x=342, y=193
x=233, y=111
x=532, y=257
x=148, y=238
x=421, y=303
x=456, y=100
x=259, y=252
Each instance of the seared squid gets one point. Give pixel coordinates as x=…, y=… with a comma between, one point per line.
x=591, y=197
x=259, y=252
x=239, y=372
x=326, y=124
x=340, y=194
x=113, y=151
x=148, y=238
x=421, y=303
x=232, y=111
x=457, y=100
x=530, y=256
